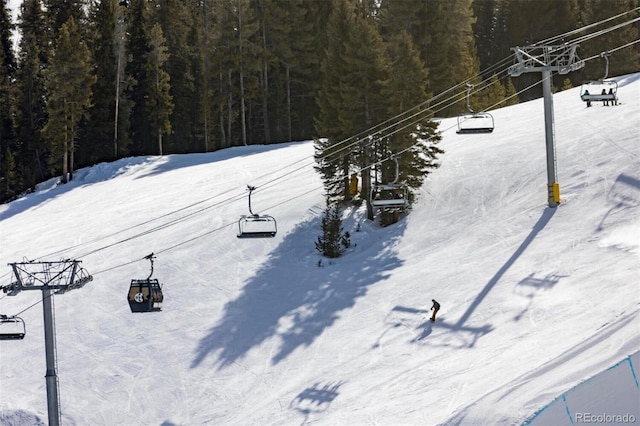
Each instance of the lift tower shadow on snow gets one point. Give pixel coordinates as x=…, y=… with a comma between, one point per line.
x=546, y=59
x=460, y=325
x=51, y=278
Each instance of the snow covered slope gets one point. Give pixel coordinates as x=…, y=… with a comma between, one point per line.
x=255, y=332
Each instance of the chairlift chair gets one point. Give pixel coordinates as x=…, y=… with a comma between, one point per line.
x=12, y=328
x=601, y=90
x=390, y=196
x=254, y=225
x=474, y=122
x=145, y=295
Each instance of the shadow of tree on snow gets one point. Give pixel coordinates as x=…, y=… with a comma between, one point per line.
x=298, y=301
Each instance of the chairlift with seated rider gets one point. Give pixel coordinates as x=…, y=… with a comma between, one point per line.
x=475, y=122
x=12, y=328
x=390, y=196
x=254, y=225
x=145, y=295
x=601, y=90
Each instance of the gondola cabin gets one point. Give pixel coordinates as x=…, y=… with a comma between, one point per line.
x=12, y=328
x=478, y=122
x=145, y=295
x=389, y=197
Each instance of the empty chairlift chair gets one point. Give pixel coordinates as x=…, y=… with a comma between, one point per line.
x=603, y=90
x=390, y=196
x=254, y=225
x=145, y=295
x=11, y=328
x=474, y=122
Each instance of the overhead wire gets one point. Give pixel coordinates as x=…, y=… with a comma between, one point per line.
x=411, y=119
x=583, y=28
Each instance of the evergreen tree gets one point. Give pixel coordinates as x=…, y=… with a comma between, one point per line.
x=621, y=62
x=9, y=179
x=485, y=31
x=530, y=21
x=9, y=184
x=236, y=66
x=492, y=95
x=176, y=21
x=414, y=140
x=70, y=80
x=409, y=16
x=442, y=32
x=351, y=99
x=256, y=71
x=293, y=29
x=333, y=161
x=199, y=101
x=31, y=158
x=250, y=70
x=333, y=241
x=60, y=11
x=159, y=103
x=138, y=46
x=311, y=39
x=108, y=123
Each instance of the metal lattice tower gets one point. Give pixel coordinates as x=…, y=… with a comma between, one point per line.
x=547, y=59
x=50, y=278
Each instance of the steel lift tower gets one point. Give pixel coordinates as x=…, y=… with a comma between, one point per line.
x=51, y=278
x=547, y=59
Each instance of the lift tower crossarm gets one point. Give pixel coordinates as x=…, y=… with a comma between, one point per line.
x=559, y=58
x=51, y=278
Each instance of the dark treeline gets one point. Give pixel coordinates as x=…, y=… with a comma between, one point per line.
x=94, y=81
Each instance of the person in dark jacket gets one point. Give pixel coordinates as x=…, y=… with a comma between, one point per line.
x=614, y=100
x=435, y=308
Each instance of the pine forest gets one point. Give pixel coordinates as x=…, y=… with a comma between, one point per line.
x=88, y=81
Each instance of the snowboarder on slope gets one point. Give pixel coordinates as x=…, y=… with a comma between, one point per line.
x=435, y=308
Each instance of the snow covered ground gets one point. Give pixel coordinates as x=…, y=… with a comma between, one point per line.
x=254, y=332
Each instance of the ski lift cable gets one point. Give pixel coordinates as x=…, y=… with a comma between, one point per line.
x=144, y=223
x=451, y=100
x=218, y=195
x=271, y=182
x=291, y=199
x=390, y=120
x=376, y=163
x=624, y=46
x=604, y=31
x=393, y=125
x=356, y=138
x=426, y=103
x=163, y=226
x=416, y=118
x=583, y=28
x=369, y=166
x=579, y=30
